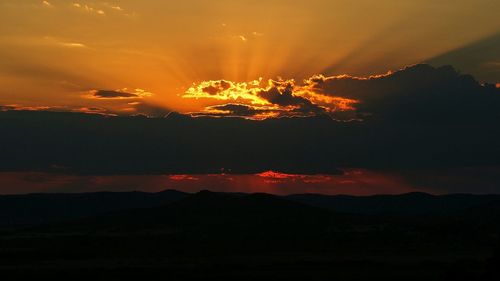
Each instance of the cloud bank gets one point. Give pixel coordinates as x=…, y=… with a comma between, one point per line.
x=419, y=118
x=265, y=99
x=419, y=90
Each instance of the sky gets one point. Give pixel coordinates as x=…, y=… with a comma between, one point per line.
x=59, y=54
x=322, y=96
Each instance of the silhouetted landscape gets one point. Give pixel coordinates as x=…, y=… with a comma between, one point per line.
x=250, y=236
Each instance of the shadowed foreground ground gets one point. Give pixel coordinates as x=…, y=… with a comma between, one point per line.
x=178, y=236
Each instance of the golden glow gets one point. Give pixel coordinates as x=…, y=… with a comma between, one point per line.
x=53, y=52
x=227, y=91
x=248, y=99
x=360, y=182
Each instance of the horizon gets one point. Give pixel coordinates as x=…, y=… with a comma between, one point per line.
x=252, y=193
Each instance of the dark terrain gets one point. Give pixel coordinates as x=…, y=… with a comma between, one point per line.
x=173, y=235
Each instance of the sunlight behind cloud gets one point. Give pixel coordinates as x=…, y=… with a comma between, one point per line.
x=261, y=99
x=165, y=47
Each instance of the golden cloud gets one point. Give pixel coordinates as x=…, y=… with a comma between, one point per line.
x=260, y=99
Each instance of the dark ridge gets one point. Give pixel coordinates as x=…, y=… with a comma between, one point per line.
x=42, y=208
x=47, y=208
x=404, y=204
x=250, y=232
x=211, y=214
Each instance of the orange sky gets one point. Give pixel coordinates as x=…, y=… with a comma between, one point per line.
x=58, y=53
x=354, y=182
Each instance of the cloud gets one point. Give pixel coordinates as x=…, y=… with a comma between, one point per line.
x=150, y=110
x=136, y=145
x=233, y=109
x=271, y=98
x=47, y=3
x=238, y=110
x=477, y=58
x=124, y=102
x=281, y=94
x=93, y=110
x=73, y=45
x=102, y=8
x=89, y=9
x=224, y=90
x=110, y=94
x=414, y=119
x=245, y=38
x=54, y=108
x=419, y=92
x=118, y=8
x=183, y=178
x=119, y=94
x=40, y=41
x=121, y=102
x=17, y=107
x=128, y=109
x=217, y=87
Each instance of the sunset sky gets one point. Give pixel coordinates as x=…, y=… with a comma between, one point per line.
x=60, y=55
x=273, y=96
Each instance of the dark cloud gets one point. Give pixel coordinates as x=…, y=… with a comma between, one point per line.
x=237, y=110
x=414, y=78
x=232, y=109
x=418, y=92
x=419, y=118
x=175, y=144
x=211, y=90
x=93, y=110
x=481, y=58
x=217, y=87
x=6, y=108
x=151, y=110
x=282, y=95
x=271, y=98
x=109, y=94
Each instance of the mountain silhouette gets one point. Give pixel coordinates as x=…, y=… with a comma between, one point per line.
x=242, y=236
x=214, y=214
x=404, y=204
x=45, y=208
x=32, y=209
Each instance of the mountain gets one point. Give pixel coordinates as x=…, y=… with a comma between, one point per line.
x=213, y=214
x=47, y=208
x=416, y=203
x=32, y=209
x=231, y=236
